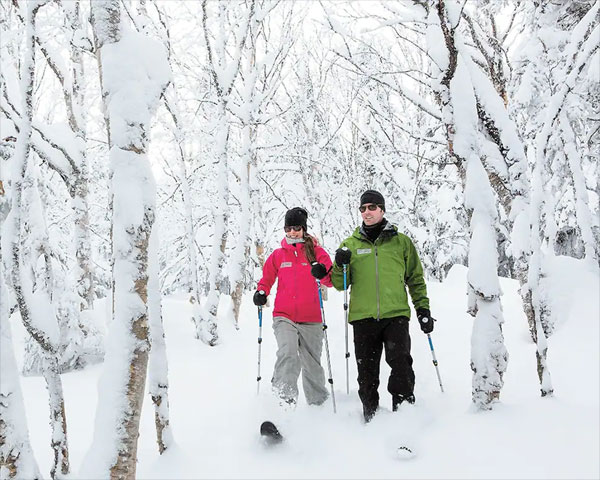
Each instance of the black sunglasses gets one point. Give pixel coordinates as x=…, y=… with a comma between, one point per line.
x=372, y=207
x=295, y=228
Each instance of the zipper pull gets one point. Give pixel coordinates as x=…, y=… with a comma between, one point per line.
x=296, y=253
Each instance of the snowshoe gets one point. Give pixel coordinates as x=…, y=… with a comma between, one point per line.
x=270, y=433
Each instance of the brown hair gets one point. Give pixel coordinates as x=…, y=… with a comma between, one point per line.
x=309, y=248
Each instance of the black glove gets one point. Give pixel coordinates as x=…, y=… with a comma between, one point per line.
x=342, y=256
x=318, y=270
x=259, y=298
x=425, y=320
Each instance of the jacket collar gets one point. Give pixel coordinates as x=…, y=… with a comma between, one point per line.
x=286, y=245
x=387, y=231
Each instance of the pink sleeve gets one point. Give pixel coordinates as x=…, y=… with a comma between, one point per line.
x=323, y=257
x=269, y=274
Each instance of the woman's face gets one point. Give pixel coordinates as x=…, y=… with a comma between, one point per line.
x=290, y=232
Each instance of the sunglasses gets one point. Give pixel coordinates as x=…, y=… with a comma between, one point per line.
x=295, y=228
x=372, y=207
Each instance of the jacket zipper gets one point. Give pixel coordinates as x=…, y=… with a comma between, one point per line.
x=376, y=280
x=295, y=284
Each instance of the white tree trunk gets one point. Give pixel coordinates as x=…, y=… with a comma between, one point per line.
x=16, y=456
x=207, y=325
x=33, y=319
x=190, y=231
x=80, y=189
x=224, y=69
x=129, y=105
x=582, y=209
x=241, y=251
x=538, y=324
x=158, y=381
x=456, y=94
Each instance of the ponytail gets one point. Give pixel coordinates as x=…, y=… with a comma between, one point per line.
x=309, y=248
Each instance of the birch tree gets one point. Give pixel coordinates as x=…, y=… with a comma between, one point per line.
x=76, y=175
x=184, y=139
x=158, y=381
x=224, y=53
x=36, y=309
x=63, y=151
x=552, y=118
x=16, y=456
x=458, y=100
x=261, y=68
x=134, y=73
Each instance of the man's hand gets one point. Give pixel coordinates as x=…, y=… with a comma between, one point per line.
x=425, y=320
x=342, y=256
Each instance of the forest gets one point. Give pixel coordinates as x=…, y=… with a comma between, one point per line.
x=149, y=150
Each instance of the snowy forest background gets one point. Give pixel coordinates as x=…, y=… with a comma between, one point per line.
x=151, y=148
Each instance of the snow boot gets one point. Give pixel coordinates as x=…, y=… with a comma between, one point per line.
x=397, y=400
x=369, y=413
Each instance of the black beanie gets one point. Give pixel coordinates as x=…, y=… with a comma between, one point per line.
x=296, y=216
x=373, y=196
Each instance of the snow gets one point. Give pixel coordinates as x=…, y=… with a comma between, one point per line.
x=215, y=413
x=134, y=189
x=135, y=73
x=436, y=46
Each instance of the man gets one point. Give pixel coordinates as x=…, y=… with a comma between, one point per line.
x=381, y=263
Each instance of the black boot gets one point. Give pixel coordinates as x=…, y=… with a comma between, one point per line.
x=398, y=399
x=369, y=413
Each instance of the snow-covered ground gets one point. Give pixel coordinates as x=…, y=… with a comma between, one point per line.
x=216, y=413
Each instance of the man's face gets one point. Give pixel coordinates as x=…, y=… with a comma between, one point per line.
x=372, y=213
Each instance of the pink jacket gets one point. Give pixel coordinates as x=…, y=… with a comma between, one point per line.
x=297, y=295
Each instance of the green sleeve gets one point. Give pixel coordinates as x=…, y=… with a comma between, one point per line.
x=414, y=277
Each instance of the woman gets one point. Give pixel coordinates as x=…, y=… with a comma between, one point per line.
x=297, y=312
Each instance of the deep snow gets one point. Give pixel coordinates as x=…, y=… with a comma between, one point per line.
x=216, y=413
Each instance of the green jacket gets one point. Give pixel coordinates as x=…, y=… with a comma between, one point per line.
x=379, y=274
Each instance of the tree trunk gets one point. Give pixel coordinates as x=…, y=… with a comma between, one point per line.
x=158, y=383
x=80, y=190
x=207, y=326
x=16, y=456
x=58, y=419
x=133, y=214
x=22, y=291
x=242, y=249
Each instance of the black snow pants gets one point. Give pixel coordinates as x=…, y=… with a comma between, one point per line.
x=370, y=337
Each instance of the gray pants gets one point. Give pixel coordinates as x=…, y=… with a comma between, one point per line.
x=299, y=348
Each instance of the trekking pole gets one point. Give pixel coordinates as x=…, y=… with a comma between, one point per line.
x=326, y=343
x=346, y=326
x=258, y=377
x=435, y=362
